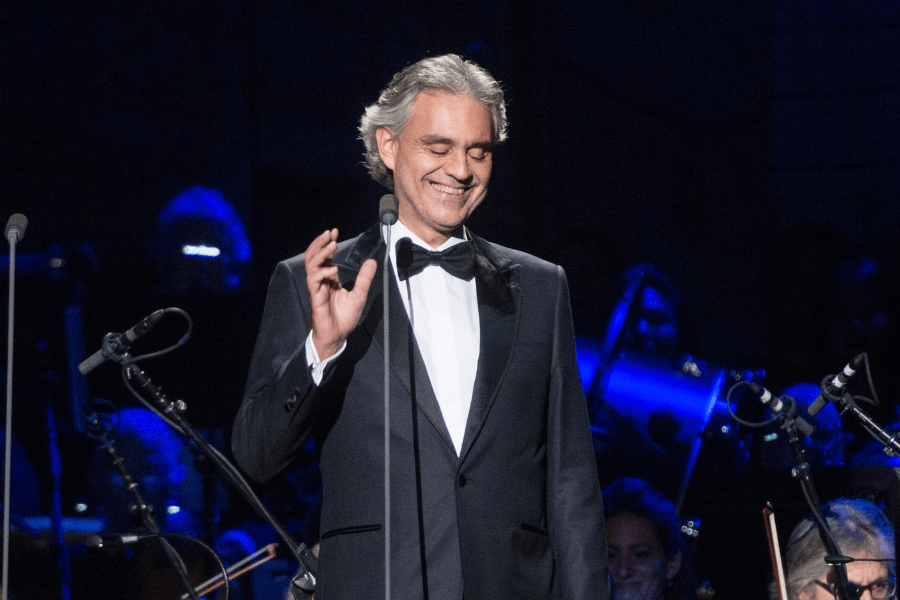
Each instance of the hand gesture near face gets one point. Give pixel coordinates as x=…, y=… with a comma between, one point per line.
x=335, y=310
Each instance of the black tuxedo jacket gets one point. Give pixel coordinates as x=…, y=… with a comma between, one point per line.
x=518, y=514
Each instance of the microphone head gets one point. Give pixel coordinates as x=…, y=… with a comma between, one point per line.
x=803, y=427
x=817, y=405
x=760, y=392
x=15, y=227
x=404, y=254
x=387, y=209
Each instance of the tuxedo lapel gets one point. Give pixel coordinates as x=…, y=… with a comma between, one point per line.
x=498, y=310
x=368, y=245
x=406, y=360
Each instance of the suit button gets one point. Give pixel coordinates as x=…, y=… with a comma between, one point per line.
x=461, y=480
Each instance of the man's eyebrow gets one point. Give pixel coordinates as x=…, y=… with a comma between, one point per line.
x=435, y=139
x=439, y=139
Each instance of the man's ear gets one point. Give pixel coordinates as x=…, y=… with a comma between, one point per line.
x=674, y=566
x=387, y=146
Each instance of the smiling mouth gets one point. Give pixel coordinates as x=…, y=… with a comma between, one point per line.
x=447, y=189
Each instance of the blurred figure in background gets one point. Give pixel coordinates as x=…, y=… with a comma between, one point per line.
x=646, y=317
x=163, y=468
x=200, y=244
x=643, y=331
x=201, y=258
x=153, y=455
x=646, y=549
x=862, y=532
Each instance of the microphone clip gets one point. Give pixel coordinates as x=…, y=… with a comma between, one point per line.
x=114, y=348
x=789, y=418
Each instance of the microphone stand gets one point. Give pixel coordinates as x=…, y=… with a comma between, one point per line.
x=846, y=403
x=145, y=512
x=387, y=275
x=303, y=584
x=388, y=208
x=801, y=472
x=59, y=548
x=14, y=232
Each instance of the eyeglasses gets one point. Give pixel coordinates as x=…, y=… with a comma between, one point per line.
x=880, y=589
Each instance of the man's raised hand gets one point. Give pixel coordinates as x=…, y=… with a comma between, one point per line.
x=335, y=310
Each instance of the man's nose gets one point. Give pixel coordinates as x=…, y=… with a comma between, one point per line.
x=457, y=165
x=621, y=568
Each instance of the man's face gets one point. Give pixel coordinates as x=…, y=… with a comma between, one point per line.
x=862, y=573
x=656, y=329
x=637, y=561
x=441, y=163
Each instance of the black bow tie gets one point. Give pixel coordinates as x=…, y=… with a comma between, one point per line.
x=458, y=260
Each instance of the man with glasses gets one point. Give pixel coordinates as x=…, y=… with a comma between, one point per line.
x=863, y=533
x=883, y=587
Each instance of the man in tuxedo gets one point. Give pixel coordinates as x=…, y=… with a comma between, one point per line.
x=493, y=492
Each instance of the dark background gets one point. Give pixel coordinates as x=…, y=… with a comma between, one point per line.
x=711, y=139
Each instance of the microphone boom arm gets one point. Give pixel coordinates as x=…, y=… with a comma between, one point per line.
x=846, y=404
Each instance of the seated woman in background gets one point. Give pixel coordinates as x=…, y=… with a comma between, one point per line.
x=862, y=532
x=644, y=539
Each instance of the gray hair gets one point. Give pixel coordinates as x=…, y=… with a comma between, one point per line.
x=448, y=73
x=860, y=529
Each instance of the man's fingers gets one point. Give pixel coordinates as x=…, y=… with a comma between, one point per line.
x=322, y=276
x=320, y=272
x=320, y=240
x=321, y=251
x=364, y=280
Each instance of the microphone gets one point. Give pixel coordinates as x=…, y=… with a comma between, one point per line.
x=114, y=342
x=387, y=209
x=777, y=407
x=15, y=228
x=837, y=384
x=112, y=541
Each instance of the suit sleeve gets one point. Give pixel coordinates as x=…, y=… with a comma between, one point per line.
x=273, y=422
x=574, y=501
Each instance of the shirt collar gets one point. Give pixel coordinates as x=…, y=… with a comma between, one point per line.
x=399, y=230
